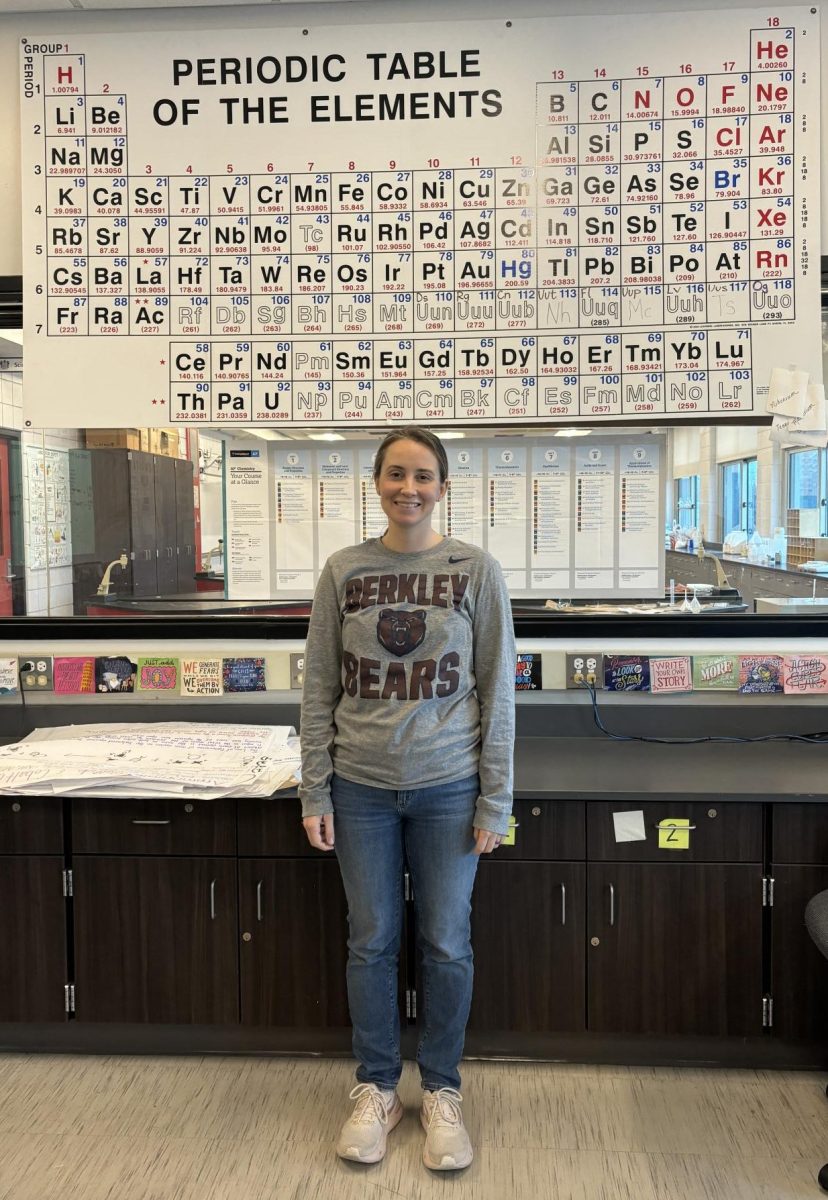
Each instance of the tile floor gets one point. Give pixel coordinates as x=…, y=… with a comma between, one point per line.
x=222, y=1128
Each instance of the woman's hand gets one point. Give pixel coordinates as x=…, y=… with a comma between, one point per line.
x=485, y=841
x=320, y=831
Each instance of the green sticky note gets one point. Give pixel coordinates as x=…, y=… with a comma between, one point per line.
x=674, y=833
x=509, y=839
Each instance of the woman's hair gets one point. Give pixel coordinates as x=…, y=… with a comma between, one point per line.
x=413, y=433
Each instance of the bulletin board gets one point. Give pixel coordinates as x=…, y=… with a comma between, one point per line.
x=566, y=521
x=532, y=220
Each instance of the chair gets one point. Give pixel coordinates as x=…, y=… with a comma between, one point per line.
x=816, y=922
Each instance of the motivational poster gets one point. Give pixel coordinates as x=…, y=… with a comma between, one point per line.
x=115, y=674
x=74, y=676
x=243, y=674
x=760, y=674
x=157, y=674
x=671, y=675
x=626, y=672
x=201, y=677
x=805, y=674
x=715, y=672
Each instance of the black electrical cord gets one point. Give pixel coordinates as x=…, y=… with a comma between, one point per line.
x=815, y=739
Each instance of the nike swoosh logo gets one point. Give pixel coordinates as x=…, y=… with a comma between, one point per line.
x=453, y=558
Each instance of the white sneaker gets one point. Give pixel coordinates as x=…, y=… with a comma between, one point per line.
x=375, y=1114
x=447, y=1144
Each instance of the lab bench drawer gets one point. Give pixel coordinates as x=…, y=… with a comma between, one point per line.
x=717, y=832
x=31, y=825
x=153, y=826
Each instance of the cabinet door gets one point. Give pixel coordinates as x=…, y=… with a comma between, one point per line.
x=156, y=939
x=185, y=524
x=799, y=973
x=674, y=949
x=32, y=939
x=166, y=525
x=142, y=524
x=294, y=931
x=528, y=941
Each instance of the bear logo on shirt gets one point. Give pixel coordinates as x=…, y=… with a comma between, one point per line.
x=401, y=632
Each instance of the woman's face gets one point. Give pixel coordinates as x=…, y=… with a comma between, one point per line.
x=409, y=484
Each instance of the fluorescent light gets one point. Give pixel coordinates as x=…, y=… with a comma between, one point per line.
x=12, y=335
x=269, y=435
x=572, y=433
x=447, y=435
x=327, y=437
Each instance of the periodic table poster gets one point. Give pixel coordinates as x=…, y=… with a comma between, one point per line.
x=536, y=220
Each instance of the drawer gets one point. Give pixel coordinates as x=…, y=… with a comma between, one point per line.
x=31, y=825
x=719, y=832
x=153, y=826
x=273, y=827
x=546, y=829
x=800, y=833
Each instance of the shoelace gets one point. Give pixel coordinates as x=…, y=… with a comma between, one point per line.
x=446, y=1107
x=370, y=1105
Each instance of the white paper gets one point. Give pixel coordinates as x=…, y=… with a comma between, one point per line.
x=629, y=826
x=167, y=758
x=787, y=391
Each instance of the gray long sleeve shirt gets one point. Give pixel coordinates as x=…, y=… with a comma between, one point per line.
x=409, y=675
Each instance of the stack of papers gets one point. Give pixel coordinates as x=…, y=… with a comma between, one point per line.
x=191, y=759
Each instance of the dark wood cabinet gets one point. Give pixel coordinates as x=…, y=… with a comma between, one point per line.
x=156, y=939
x=33, y=970
x=293, y=929
x=799, y=972
x=528, y=941
x=674, y=948
x=185, y=524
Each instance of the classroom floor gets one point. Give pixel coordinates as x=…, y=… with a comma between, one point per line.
x=117, y=1128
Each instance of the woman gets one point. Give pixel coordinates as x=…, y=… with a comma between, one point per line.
x=407, y=739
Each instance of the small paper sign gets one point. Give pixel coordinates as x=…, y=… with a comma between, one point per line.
x=528, y=673
x=715, y=672
x=760, y=674
x=201, y=677
x=157, y=674
x=626, y=673
x=805, y=674
x=243, y=674
x=509, y=839
x=115, y=674
x=8, y=676
x=671, y=675
x=629, y=826
x=74, y=676
x=674, y=833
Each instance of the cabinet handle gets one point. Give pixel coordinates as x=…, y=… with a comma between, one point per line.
x=669, y=825
x=612, y=903
x=136, y=821
x=212, y=899
x=259, y=900
x=563, y=903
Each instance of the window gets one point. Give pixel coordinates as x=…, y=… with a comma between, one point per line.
x=807, y=471
x=686, y=494
x=738, y=497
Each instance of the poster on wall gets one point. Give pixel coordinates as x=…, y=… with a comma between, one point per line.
x=525, y=220
x=562, y=523
x=49, y=532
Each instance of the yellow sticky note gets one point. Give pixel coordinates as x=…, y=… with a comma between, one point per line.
x=674, y=833
x=509, y=839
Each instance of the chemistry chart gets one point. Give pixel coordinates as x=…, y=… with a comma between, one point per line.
x=538, y=220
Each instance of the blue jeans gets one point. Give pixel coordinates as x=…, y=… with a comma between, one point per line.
x=375, y=828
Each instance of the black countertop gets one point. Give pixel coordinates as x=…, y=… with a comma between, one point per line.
x=597, y=769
